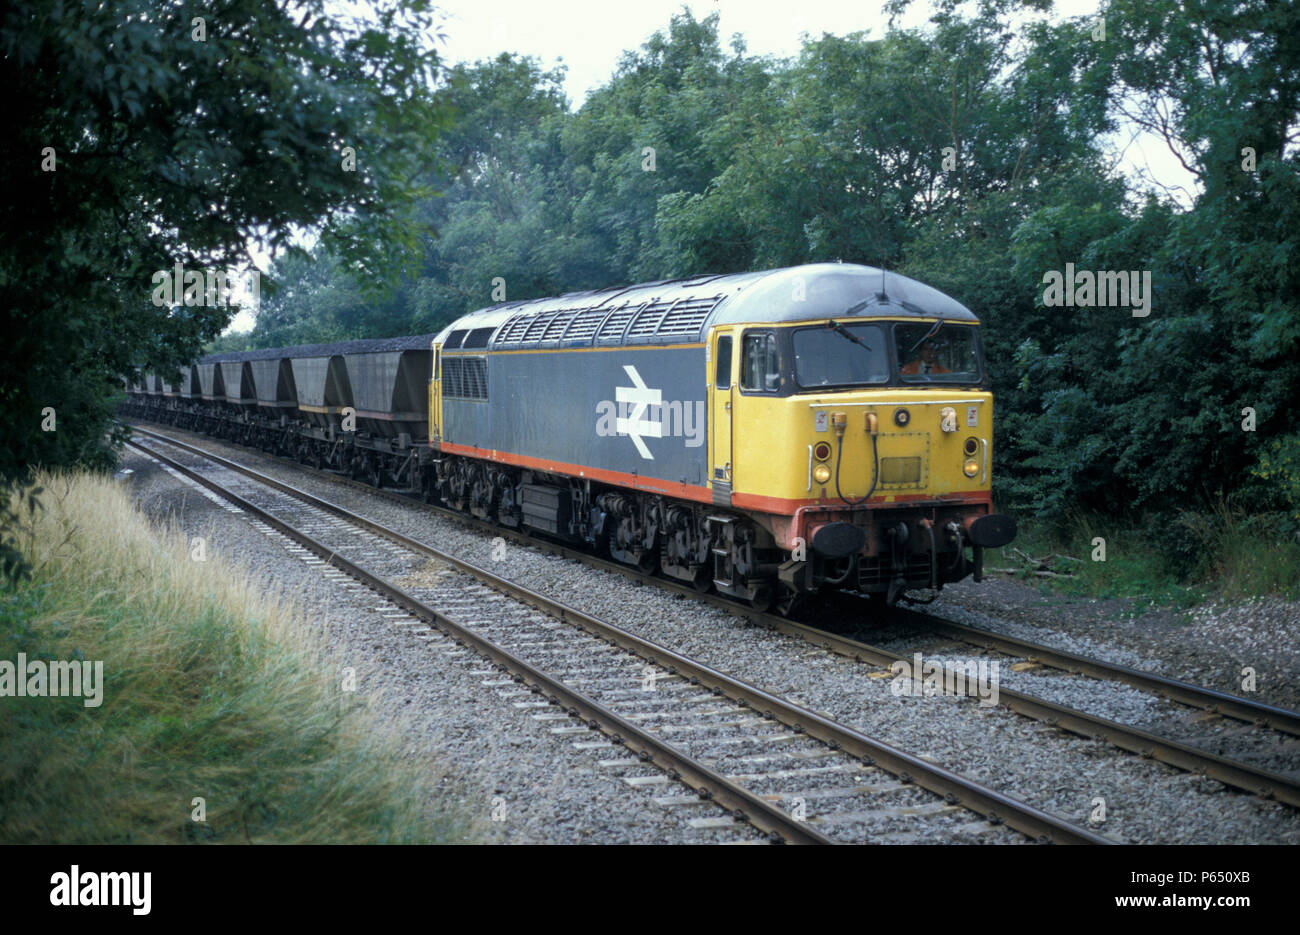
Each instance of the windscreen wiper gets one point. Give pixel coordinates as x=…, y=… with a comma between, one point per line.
x=927, y=336
x=846, y=333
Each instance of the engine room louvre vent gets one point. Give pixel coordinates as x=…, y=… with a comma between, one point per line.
x=512, y=332
x=537, y=327
x=558, y=324
x=633, y=323
x=585, y=324
x=612, y=329
x=687, y=317
x=649, y=319
x=526, y=328
x=464, y=378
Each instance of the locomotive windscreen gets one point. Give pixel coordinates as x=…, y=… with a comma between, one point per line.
x=825, y=357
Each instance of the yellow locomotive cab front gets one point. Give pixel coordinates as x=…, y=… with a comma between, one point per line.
x=863, y=447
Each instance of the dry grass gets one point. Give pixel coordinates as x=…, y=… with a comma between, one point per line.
x=211, y=690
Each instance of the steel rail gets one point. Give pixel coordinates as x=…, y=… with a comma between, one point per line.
x=1195, y=696
x=1230, y=772
x=741, y=802
x=993, y=805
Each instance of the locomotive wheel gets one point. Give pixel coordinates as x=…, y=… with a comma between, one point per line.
x=788, y=601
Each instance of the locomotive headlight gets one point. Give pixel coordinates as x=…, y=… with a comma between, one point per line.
x=821, y=473
x=971, y=467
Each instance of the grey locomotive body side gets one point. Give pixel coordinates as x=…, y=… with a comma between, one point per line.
x=638, y=412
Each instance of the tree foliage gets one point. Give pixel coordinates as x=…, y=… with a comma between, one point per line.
x=973, y=154
x=141, y=135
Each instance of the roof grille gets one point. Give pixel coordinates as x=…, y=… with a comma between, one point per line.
x=613, y=327
x=585, y=324
x=633, y=323
x=687, y=317
x=537, y=326
x=558, y=324
x=649, y=319
x=513, y=330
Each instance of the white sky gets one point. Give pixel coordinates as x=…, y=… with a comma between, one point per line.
x=589, y=36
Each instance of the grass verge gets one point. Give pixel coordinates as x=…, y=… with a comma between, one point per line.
x=210, y=691
x=1180, y=561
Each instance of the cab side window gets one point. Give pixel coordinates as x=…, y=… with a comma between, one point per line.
x=722, y=379
x=760, y=365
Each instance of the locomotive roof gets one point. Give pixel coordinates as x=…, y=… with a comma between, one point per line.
x=683, y=309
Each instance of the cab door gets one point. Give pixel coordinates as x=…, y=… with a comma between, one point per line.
x=435, y=397
x=722, y=386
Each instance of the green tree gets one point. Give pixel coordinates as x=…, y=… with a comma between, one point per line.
x=145, y=136
x=1119, y=413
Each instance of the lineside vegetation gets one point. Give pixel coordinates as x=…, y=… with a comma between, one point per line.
x=211, y=690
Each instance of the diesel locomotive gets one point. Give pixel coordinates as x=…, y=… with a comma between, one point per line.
x=766, y=435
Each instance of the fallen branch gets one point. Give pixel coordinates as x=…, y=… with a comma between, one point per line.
x=1042, y=573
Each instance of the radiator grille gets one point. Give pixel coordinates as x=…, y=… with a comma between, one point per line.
x=464, y=378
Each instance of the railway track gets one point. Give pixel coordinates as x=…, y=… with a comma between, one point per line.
x=1206, y=699
x=794, y=774
x=1239, y=775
